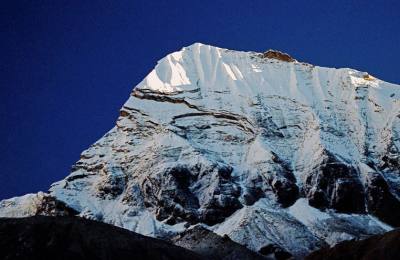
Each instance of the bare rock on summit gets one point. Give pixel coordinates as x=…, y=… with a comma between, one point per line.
x=273, y=54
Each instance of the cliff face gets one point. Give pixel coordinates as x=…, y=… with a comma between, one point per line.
x=272, y=152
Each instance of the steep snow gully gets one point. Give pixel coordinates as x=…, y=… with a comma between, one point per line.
x=272, y=152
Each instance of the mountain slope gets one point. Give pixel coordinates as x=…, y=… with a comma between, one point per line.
x=76, y=238
x=386, y=246
x=211, y=246
x=270, y=151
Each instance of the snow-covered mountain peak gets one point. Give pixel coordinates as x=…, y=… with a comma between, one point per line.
x=258, y=146
x=200, y=64
x=206, y=67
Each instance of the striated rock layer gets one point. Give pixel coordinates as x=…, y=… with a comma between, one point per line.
x=274, y=153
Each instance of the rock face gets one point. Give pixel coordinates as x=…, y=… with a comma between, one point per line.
x=274, y=153
x=335, y=185
x=385, y=246
x=76, y=238
x=273, y=54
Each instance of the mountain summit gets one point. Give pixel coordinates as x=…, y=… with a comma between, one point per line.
x=273, y=153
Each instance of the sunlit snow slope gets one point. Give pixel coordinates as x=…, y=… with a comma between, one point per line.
x=258, y=146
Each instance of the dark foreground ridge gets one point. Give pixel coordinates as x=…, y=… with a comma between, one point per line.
x=75, y=238
x=386, y=246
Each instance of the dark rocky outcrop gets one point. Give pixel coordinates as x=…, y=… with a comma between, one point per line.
x=75, y=238
x=285, y=190
x=335, y=184
x=284, y=183
x=50, y=206
x=176, y=196
x=386, y=246
x=112, y=184
x=273, y=54
x=381, y=202
x=255, y=186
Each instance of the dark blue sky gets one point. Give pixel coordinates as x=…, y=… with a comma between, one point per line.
x=68, y=66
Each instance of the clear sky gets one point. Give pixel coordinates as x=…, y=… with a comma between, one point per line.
x=68, y=66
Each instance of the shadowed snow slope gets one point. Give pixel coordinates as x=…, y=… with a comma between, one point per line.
x=272, y=152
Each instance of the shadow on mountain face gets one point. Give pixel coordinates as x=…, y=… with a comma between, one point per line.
x=76, y=238
x=386, y=246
